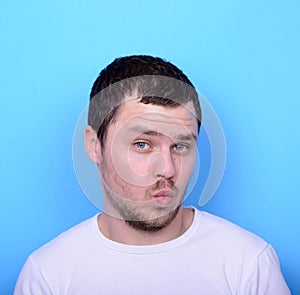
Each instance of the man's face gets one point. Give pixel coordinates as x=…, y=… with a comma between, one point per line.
x=147, y=161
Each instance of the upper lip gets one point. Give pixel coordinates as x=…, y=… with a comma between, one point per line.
x=162, y=193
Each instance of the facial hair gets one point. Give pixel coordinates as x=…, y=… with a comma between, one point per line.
x=153, y=225
x=133, y=212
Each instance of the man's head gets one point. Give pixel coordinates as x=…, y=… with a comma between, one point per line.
x=142, y=75
x=144, y=117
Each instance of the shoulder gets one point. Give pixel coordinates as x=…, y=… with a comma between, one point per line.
x=70, y=241
x=50, y=267
x=221, y=233
x=249, y=263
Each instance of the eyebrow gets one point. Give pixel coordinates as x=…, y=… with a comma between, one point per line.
x=141, y=130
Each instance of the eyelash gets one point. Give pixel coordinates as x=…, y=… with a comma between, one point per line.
x=184, y=147
x=141, y=142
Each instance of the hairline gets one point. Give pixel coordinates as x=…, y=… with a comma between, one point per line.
x=134, y=87
x=118, y=108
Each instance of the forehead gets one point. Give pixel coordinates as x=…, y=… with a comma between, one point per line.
x=135, y=117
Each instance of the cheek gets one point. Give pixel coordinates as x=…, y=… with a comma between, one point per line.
x=139, y=164
x=132, y=168
x=185, y=170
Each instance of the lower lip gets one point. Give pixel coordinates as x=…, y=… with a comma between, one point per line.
x=163, y=200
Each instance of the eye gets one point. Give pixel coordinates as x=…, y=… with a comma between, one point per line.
x=180, y=148
x=141, y=145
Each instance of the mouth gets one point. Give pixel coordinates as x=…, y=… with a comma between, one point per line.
x=163, y=197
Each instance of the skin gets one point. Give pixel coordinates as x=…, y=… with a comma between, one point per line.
x=144, y=168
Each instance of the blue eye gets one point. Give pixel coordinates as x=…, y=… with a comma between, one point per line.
x=180, y=147
x=141, y=145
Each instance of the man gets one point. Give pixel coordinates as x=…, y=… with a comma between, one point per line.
x=143, y=122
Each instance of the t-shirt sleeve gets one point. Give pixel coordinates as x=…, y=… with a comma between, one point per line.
x=31, y=280
x=266, y=277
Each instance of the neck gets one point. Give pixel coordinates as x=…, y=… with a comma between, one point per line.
x=119, y=231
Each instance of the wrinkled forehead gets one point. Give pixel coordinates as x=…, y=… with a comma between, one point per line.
x=135, y=118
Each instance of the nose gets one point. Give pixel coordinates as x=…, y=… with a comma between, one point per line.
x=163, y=165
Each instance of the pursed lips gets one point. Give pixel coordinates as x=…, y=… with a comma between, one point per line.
x=163, y=193
x=163, y=196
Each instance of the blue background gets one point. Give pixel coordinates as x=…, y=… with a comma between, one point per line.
x=242, y=55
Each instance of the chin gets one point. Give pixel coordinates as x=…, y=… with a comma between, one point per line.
x=153, y=224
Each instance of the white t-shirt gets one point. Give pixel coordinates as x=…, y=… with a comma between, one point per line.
x=213, y=256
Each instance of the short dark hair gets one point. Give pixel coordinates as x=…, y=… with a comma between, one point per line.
x=154, y=80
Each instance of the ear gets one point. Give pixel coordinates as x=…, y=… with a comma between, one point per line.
x=92, y=145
